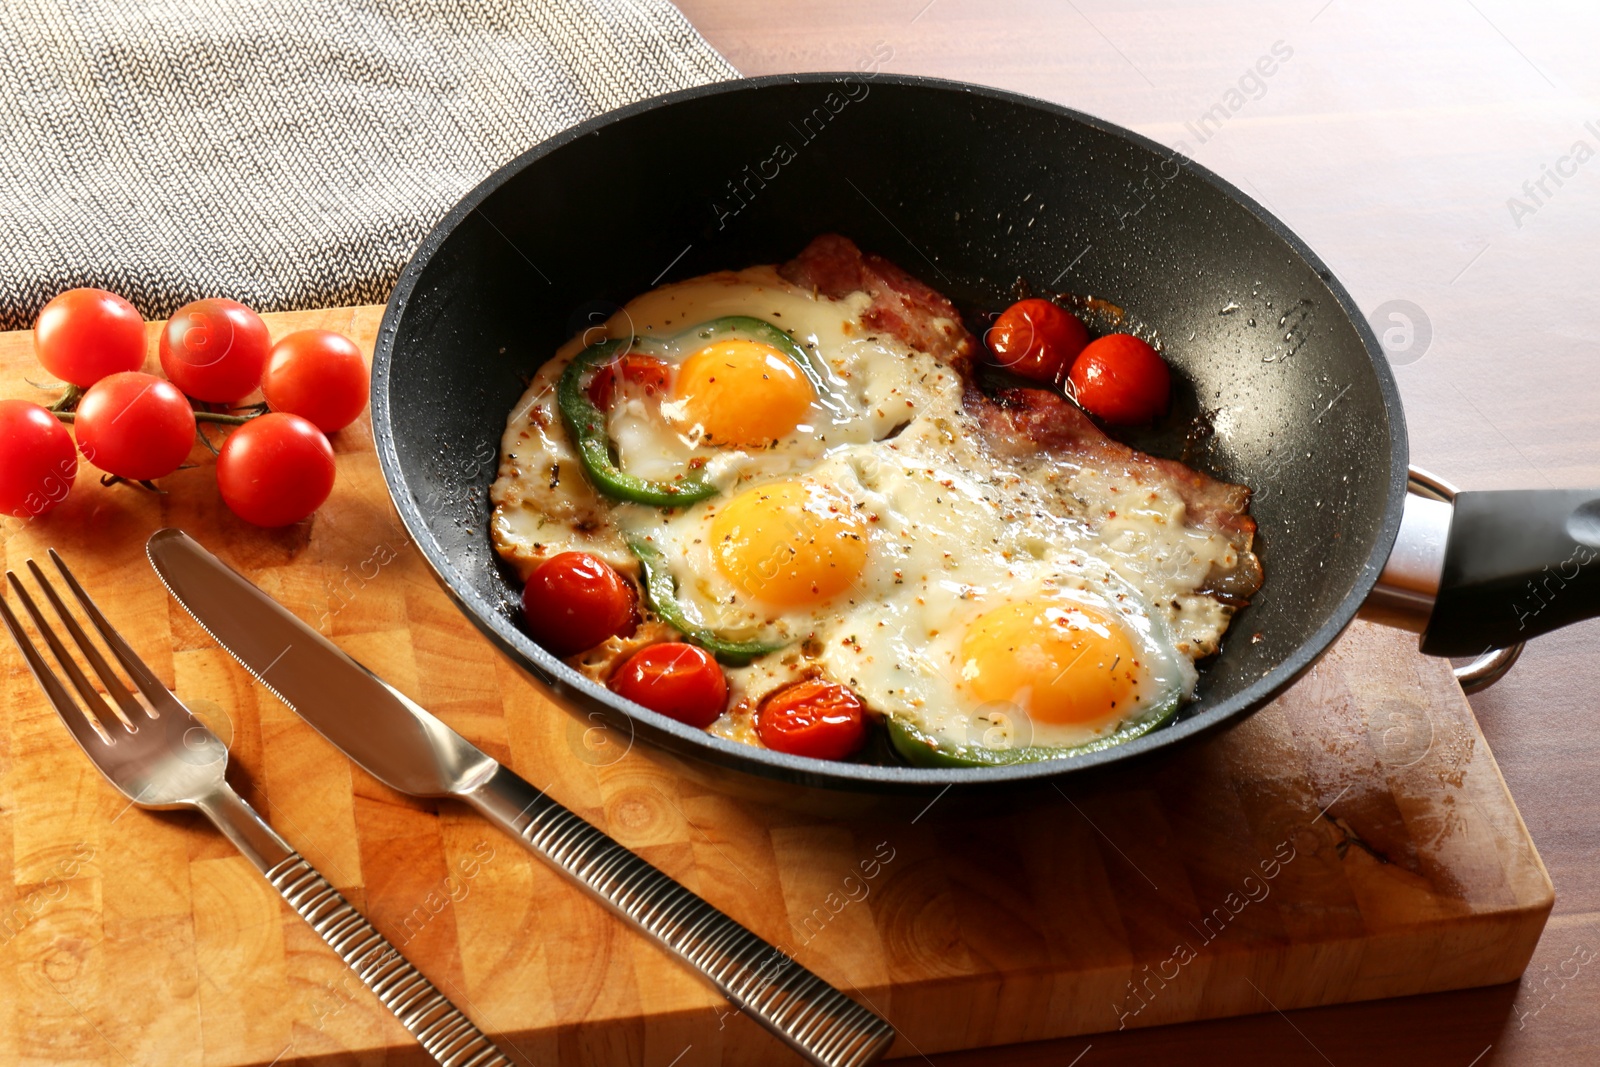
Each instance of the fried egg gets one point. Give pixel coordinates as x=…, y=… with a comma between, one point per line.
x=861, y=528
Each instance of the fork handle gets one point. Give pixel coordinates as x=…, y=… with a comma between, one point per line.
x=762, y=981
x=438, y=1025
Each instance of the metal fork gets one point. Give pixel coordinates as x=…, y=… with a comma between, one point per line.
x=160, y=756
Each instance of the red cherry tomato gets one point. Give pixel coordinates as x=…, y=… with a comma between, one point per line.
x=135, y=425
x=215, y=350
x=318, y=375
x=1037, y=339
x=275, y=470
x=37, y=459
x=85, y=334
x=652, y=374
x=815, y=718
x=1122, y=380
x=680, y=681
x=574, y=601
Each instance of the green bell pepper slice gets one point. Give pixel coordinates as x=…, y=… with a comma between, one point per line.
x=661, y=591
x=921, y=749
x=587, y=423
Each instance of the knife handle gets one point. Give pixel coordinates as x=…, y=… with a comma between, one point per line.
x=762, y=981
x=438, y=1025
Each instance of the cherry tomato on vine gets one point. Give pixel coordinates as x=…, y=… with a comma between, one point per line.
x=574, y=601
x=1037, y=339
x=652, y=374
x=679, y=680
x=1122, y=380
x=85, y=334
x=318, y=375
x=815, y=718
x=215, y=350
x=135, y=425
x=275, y=470
x=38, y=460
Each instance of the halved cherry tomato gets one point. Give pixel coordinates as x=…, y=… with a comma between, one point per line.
x=1122, y=380
x=815, y=718
x=85, y=334
x=275, y=470
x=318, y=375
x=135, y=425
x=1037, y=339
x=679, y=680
x=37, y=459
x=652, y=374
x=215, y=350
x=574, y=601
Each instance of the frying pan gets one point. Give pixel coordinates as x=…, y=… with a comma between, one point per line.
x=968, y=188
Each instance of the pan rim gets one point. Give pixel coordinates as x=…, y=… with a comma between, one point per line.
x=556, y=675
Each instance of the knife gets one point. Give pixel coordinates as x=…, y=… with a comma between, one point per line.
x=402, y=745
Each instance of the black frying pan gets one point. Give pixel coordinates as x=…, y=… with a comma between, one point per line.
x=969, y=188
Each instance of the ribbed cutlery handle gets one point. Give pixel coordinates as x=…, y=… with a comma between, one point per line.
x=761, y=980
x=447, y=1035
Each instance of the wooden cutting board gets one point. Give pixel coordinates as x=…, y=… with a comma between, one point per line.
x=1352, y=840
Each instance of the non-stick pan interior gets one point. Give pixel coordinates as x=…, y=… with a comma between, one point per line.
x=968, y=189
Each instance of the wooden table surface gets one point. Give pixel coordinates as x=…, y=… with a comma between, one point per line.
x=1396, y=139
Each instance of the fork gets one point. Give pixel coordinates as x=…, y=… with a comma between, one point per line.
x=160, y=756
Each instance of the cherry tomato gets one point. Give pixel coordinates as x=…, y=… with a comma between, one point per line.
x=646, y=371
x=275, y=470
x=815, y=718
x=1122, y=380
x=37, y=459
x=680, y=681
x=318, y=375
x=1037, y=339
x=215, y=350
x=85, y=334
x=135, y=425
x=574, y=601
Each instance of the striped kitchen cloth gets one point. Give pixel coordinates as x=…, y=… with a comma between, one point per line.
x=286, y=153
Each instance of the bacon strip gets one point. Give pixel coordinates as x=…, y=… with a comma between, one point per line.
x=1021, y=422
x=1024, y=422
x=902, y=306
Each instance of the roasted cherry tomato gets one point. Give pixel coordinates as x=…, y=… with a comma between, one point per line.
x=1037, y=339
x=37, y=459
x=652, y=374
x=574, y=601
x=1122, y=380
x=85, y=334
x=680, y=681
x=215, y=350
x=815, y=718
x=135, y=425
x=275, y=470
x=318, y=375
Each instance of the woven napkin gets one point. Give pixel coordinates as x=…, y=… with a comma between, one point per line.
x=286, y=153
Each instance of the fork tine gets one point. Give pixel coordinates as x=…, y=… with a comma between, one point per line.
x=91, y=699
x=131, y=710
x=157, y=694
x=83, y=726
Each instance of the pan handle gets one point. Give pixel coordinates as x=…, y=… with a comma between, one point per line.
x=1405, y=594
x=1516, y=565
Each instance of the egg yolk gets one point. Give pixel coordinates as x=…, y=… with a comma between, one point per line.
x=1059, y=661
x=790, y=544
x=742, y=394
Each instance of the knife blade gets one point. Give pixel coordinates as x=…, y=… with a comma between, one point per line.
x=393, y=739
x=402, y=745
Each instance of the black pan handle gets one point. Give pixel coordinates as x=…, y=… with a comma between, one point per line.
x=1516, y=565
